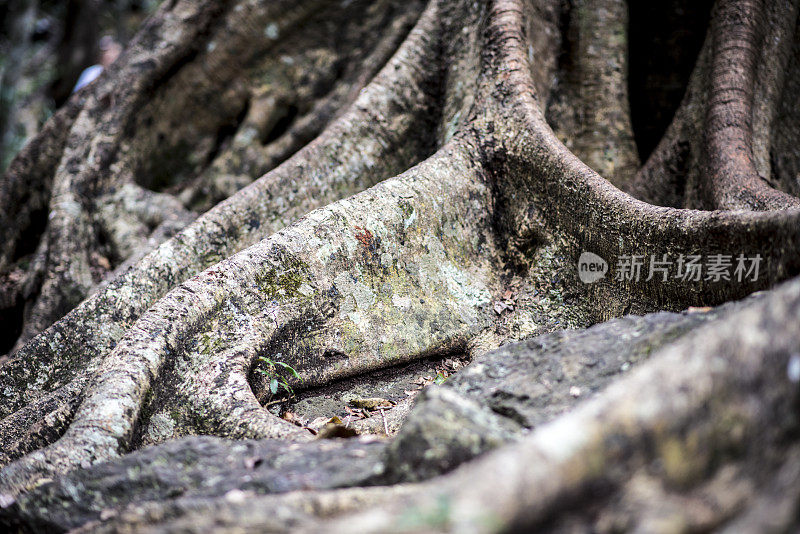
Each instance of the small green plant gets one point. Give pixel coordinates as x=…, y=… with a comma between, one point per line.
x=272, y=369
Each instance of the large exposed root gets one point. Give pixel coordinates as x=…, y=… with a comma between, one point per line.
x=313, y=85
x=86, y=166
x=640, y=454
x=353, y=153
x=718, y=150
x=739, y=42
x=565, y=197
x=734, y=386
x=334, y=294
x=589, y=108
x=137, y=126
x=407, y=62
x=293, y=269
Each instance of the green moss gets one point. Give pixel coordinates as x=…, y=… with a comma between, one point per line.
x=210, y=343
x=406, y=208
x=211, y=256
x=285, y=284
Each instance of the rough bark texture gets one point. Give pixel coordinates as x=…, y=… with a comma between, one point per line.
x=346, y=188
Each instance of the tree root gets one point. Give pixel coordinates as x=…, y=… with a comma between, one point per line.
x=632, y=445
x=352, y=153
x=728, y=113
x=486, y=203
x=589, y=110
x=733, y=385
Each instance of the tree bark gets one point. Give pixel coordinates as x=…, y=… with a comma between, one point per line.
x=345, y=187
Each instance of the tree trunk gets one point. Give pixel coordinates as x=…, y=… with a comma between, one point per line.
x=260, y=201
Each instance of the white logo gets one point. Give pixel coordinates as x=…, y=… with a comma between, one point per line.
x=591, y=267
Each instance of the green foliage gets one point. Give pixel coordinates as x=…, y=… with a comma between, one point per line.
x=276, y=372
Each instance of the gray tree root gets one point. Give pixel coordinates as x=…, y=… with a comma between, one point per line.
x=309, y=179
x=584, y=456
x=384, y=182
